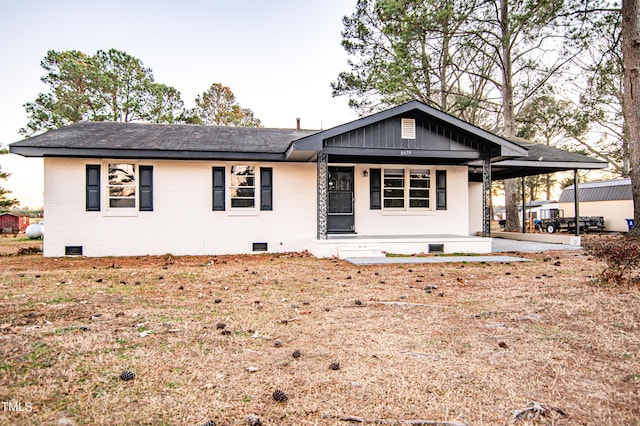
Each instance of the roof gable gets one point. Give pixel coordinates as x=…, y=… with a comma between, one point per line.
x=429, y=135
x=436, y=134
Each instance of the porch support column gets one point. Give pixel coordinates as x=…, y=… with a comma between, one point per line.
x=576, y=201
x=323, y=178
x=524, y=206
x=486, y=197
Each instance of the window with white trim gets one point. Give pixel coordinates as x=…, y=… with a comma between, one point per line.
x=121, y=186
x=419, y=188
x=406, y=188
x=394, y=193
x=242, y=187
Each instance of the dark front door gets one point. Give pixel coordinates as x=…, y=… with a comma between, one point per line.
x=340, y=200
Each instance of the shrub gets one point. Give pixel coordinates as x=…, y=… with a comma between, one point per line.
x=622, y=256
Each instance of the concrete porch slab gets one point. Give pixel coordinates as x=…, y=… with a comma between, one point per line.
x=558, y=238
x=375, y=246
x=503, y=245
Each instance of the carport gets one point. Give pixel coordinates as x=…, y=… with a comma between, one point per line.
x=541, y=159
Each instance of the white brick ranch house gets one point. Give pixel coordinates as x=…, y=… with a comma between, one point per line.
x=409, y=179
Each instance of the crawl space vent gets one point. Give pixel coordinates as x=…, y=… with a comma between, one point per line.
x=73, y=250
x=436, y=248
x=260, y=247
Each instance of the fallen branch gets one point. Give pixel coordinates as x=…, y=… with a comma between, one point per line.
x=29, y=250
x=355, y=419
x=286, y=321
x=535, y=410
x=410, y=304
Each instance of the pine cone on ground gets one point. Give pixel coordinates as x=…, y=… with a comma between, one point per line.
x=279, y=396
x=127, y=375
x=254, y=420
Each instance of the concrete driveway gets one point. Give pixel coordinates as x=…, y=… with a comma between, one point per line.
x=501, y=245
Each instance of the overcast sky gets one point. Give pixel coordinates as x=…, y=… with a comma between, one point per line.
x=278, y=57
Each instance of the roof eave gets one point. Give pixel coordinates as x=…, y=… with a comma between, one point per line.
x=145, y=154
x=307, y=147
x=568, y=165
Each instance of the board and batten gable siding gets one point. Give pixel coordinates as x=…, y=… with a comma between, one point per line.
x=453, y=220
x=386, y=134
x=182, y=221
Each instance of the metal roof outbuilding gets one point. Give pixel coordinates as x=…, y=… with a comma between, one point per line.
x=599, y=191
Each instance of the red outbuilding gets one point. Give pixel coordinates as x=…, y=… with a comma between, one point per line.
x=12, y=224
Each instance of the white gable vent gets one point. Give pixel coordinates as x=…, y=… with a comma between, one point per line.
x=408, y=128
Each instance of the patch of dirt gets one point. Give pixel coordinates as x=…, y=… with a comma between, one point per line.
x=11, y=246
x=471, y=343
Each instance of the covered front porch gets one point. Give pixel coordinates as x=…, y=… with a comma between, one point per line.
x=397, y=182
x=412, y=180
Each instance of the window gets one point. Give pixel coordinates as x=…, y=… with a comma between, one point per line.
x=242, y=187
x=121, y=186
x=398, y=195
x=419, y=184
x=124, y=187
x=394, y=188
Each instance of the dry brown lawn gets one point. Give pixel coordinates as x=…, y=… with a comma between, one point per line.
x=488, y=340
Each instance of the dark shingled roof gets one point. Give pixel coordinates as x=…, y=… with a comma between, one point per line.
x=599, y=191
x=541, y=152
x=185, y=141
x=165, y=138
x=542, y=159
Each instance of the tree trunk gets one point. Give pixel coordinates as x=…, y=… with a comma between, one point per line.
x=547, y=184
x=631, y=59
x=508, y=114
x=444, y=68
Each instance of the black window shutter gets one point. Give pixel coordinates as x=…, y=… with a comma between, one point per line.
x=266, y=188
x=441, y=189
x=375, y=186
x=146, y=188
x=93, y=188
x=218, y=188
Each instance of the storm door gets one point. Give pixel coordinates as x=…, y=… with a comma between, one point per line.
x=340, y=200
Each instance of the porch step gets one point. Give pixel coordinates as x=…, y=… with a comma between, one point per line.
x=360, y=250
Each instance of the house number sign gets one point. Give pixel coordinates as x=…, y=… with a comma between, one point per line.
x=405, y=152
